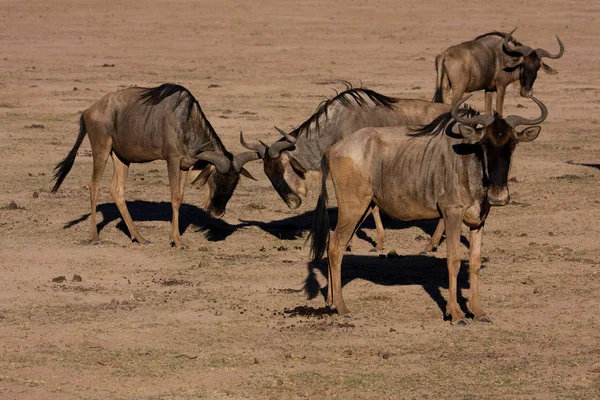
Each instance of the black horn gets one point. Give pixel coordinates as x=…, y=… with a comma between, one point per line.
x=484, y=120
x=544, y=53
x=219, y=160
x=240, y=159
x=259, y=147
x=278, y=147
x=522, y=50
x=287, y=136
x=516, y=120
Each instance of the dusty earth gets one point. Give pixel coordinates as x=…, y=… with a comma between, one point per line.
x=239, y=314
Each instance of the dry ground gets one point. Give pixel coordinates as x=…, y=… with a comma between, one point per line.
x=214, y=321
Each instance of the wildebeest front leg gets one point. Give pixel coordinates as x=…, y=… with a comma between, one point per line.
x=489, y=96
x=378, y=227
x=117, y=190
x=453, y=219
x=475, y=236
x=500, y=91
x=176, y=182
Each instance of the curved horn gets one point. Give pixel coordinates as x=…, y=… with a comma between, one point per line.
x=516, y=120
x=484, y=120
x=259, y=147
x=218, y=159
x=278, y=147
x=240, y=159
x=523, y=50
x=544, y=53
x=287, y=136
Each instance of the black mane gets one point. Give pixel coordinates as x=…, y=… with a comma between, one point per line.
x=349, y=98
x=154, y=96
x=500, y=34
x=440, y=124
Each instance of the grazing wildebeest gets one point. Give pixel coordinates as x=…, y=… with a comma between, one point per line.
x=138, y=125
x=287, y=161
x=490, y=62
x=423, y=174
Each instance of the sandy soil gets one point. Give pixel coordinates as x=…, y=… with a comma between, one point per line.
x=220, y=320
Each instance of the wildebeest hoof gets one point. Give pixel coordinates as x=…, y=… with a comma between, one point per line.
x=461, y=322
x=485, y=319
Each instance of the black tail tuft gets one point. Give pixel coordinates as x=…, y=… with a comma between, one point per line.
x=62, y=168
x=319, y=233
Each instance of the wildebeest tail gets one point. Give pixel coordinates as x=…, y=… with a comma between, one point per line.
x=319, y=233
x=62, y=168
x=439, y=67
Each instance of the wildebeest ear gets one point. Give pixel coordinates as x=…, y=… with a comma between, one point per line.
x=528, y=134
x=470, y=133
x=548, y=69
x=247, y=174
x=512, y=62
x=203, y=176
x=299, y=169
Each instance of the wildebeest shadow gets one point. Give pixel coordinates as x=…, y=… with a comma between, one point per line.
x=216, y=229
x=429, y=272
x=291, y=228
x=597, y=166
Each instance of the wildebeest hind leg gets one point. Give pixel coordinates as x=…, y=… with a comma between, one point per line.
x=117, y=190
x=100, y=152
x=434, y=242
x=177, y=179
x=351, y=211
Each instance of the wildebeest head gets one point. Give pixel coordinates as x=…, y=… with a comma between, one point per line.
x=282, y=169
x=498, y=138
x=222, y=176
x=530, y=61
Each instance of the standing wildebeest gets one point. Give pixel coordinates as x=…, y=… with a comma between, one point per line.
x=490, y=62
x=162, y=123
x=287, y=161
x=428, y=174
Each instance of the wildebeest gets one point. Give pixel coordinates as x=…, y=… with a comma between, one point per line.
x=490, y=62
x=138, y=125
x=425, y=174
x=287, y=161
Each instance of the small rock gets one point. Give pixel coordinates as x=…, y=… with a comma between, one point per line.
x=420, y=238
x=35, y=126
x=36, y=195
x=12, y=206
x=537, y=290
x=415, y=87
x=513, y=179
x=256, y=362
x=212, y=85
x=75, y=88
x=347, y=353
x=114, y=303
x=77, y=278
x=282, y=248
x=520, y=106
x=392, y=330
x=59, y=279
x=385, y=354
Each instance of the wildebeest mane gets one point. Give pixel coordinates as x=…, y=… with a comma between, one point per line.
x=439, y=124
x=349, y=98
x=154, y=96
